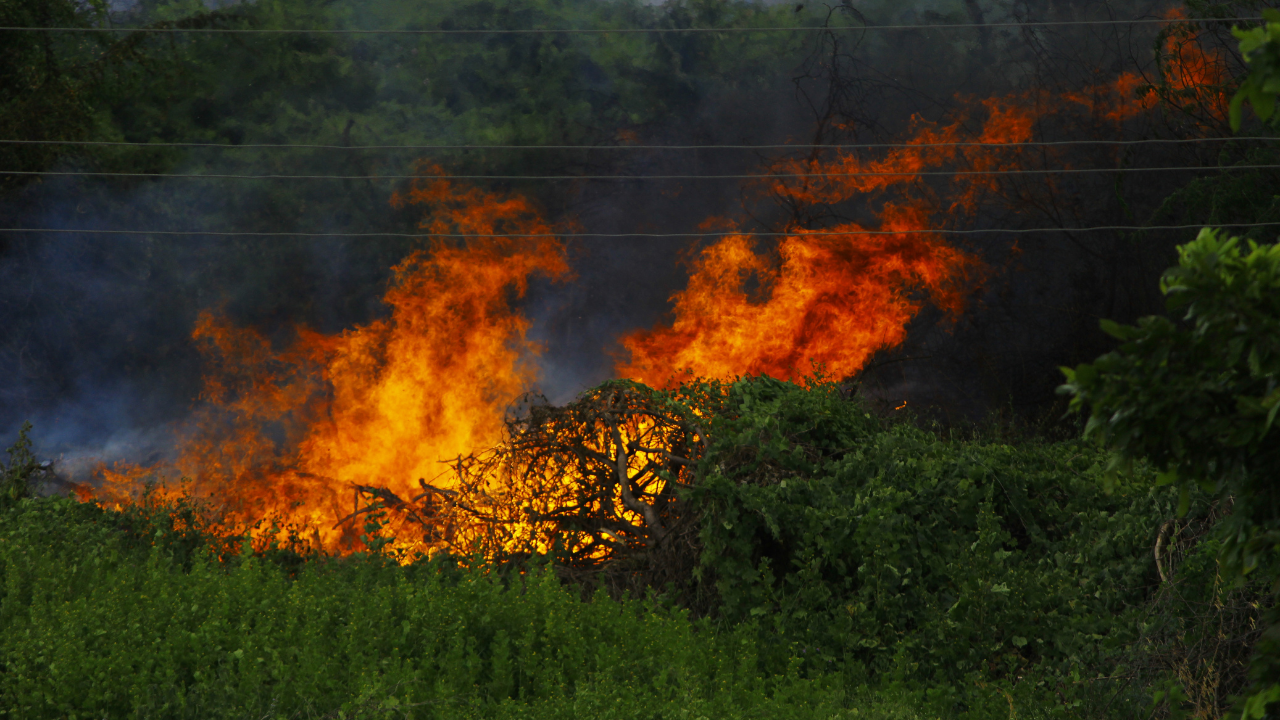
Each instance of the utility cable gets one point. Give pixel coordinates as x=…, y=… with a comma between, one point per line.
x=800, y=234
x=796, y=146
x=629, y=31
x=777, y=176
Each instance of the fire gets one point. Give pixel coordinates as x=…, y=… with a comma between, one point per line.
x=1195, y=79
x=592, y=480
x=323, y=433
x=836, y=294
x=296, y=433
x=832, y=300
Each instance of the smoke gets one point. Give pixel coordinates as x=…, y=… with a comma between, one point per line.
x=97, y=345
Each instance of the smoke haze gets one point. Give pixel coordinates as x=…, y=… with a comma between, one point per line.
x=98, y=350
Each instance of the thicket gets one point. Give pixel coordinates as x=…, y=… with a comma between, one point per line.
x=949, y=563
x=1195, y=393
x=832, y=554
x=100, y=623
x=1196, y=396
x=846, y=564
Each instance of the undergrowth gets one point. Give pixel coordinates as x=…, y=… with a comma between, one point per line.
x=858, y=567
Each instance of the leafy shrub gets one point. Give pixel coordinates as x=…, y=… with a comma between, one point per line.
x=887, y=551
x=842, y=551
x=96, y=626
x=22, y=475
x=1198, y=399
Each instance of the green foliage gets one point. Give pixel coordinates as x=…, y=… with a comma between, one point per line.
x=1198, y=399
x=22, y=474
x=884, y=550
x=59, y=87
x=404, y=90
x=1239, y=197
x=861, y=568
x=46, y=80
x=1260, y=47
x=95, y=626
x=1199, y=632
x=1227, y=198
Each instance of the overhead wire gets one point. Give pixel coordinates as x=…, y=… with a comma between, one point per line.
x=783, y=146
x=598, y=147
x=756, y=176
x=624, y=31
x=606, y=31
x=718, y=233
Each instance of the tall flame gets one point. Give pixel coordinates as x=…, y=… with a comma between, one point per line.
x=383, y=404
x=832, y=300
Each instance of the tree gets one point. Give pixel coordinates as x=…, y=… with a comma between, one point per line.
x=1261, y=49
x=43, y=81
x=1198, y=398
x=57, y=86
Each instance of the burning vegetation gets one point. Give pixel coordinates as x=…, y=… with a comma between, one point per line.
x=741, y=475
x=295, y=433
x=401, y=432
x=833, y=291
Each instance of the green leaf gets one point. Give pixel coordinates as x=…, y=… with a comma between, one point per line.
x=1236, y=110
x=1263, y=101
x=1116, y=330
x=1255, y=706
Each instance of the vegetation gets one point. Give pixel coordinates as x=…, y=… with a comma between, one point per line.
x=848, y=566
x=1198, y=400
x=1197, y=395
x=102, y=622
x=816, y=560
x=790, y=553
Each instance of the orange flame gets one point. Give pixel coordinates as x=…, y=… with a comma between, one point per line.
x=838, y=297
x=379, y=405
x=832, y=300
x=1194, y=79
x=297, y=433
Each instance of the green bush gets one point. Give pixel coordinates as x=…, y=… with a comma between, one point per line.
x=1197, y=397
x=889, y=552
x=22, y=475
x=97, y=626
x=858, y=568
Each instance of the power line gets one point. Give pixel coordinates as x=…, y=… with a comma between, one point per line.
x=627, y=31
x=796, y=146
x=1020, y=231
x=776, y=176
